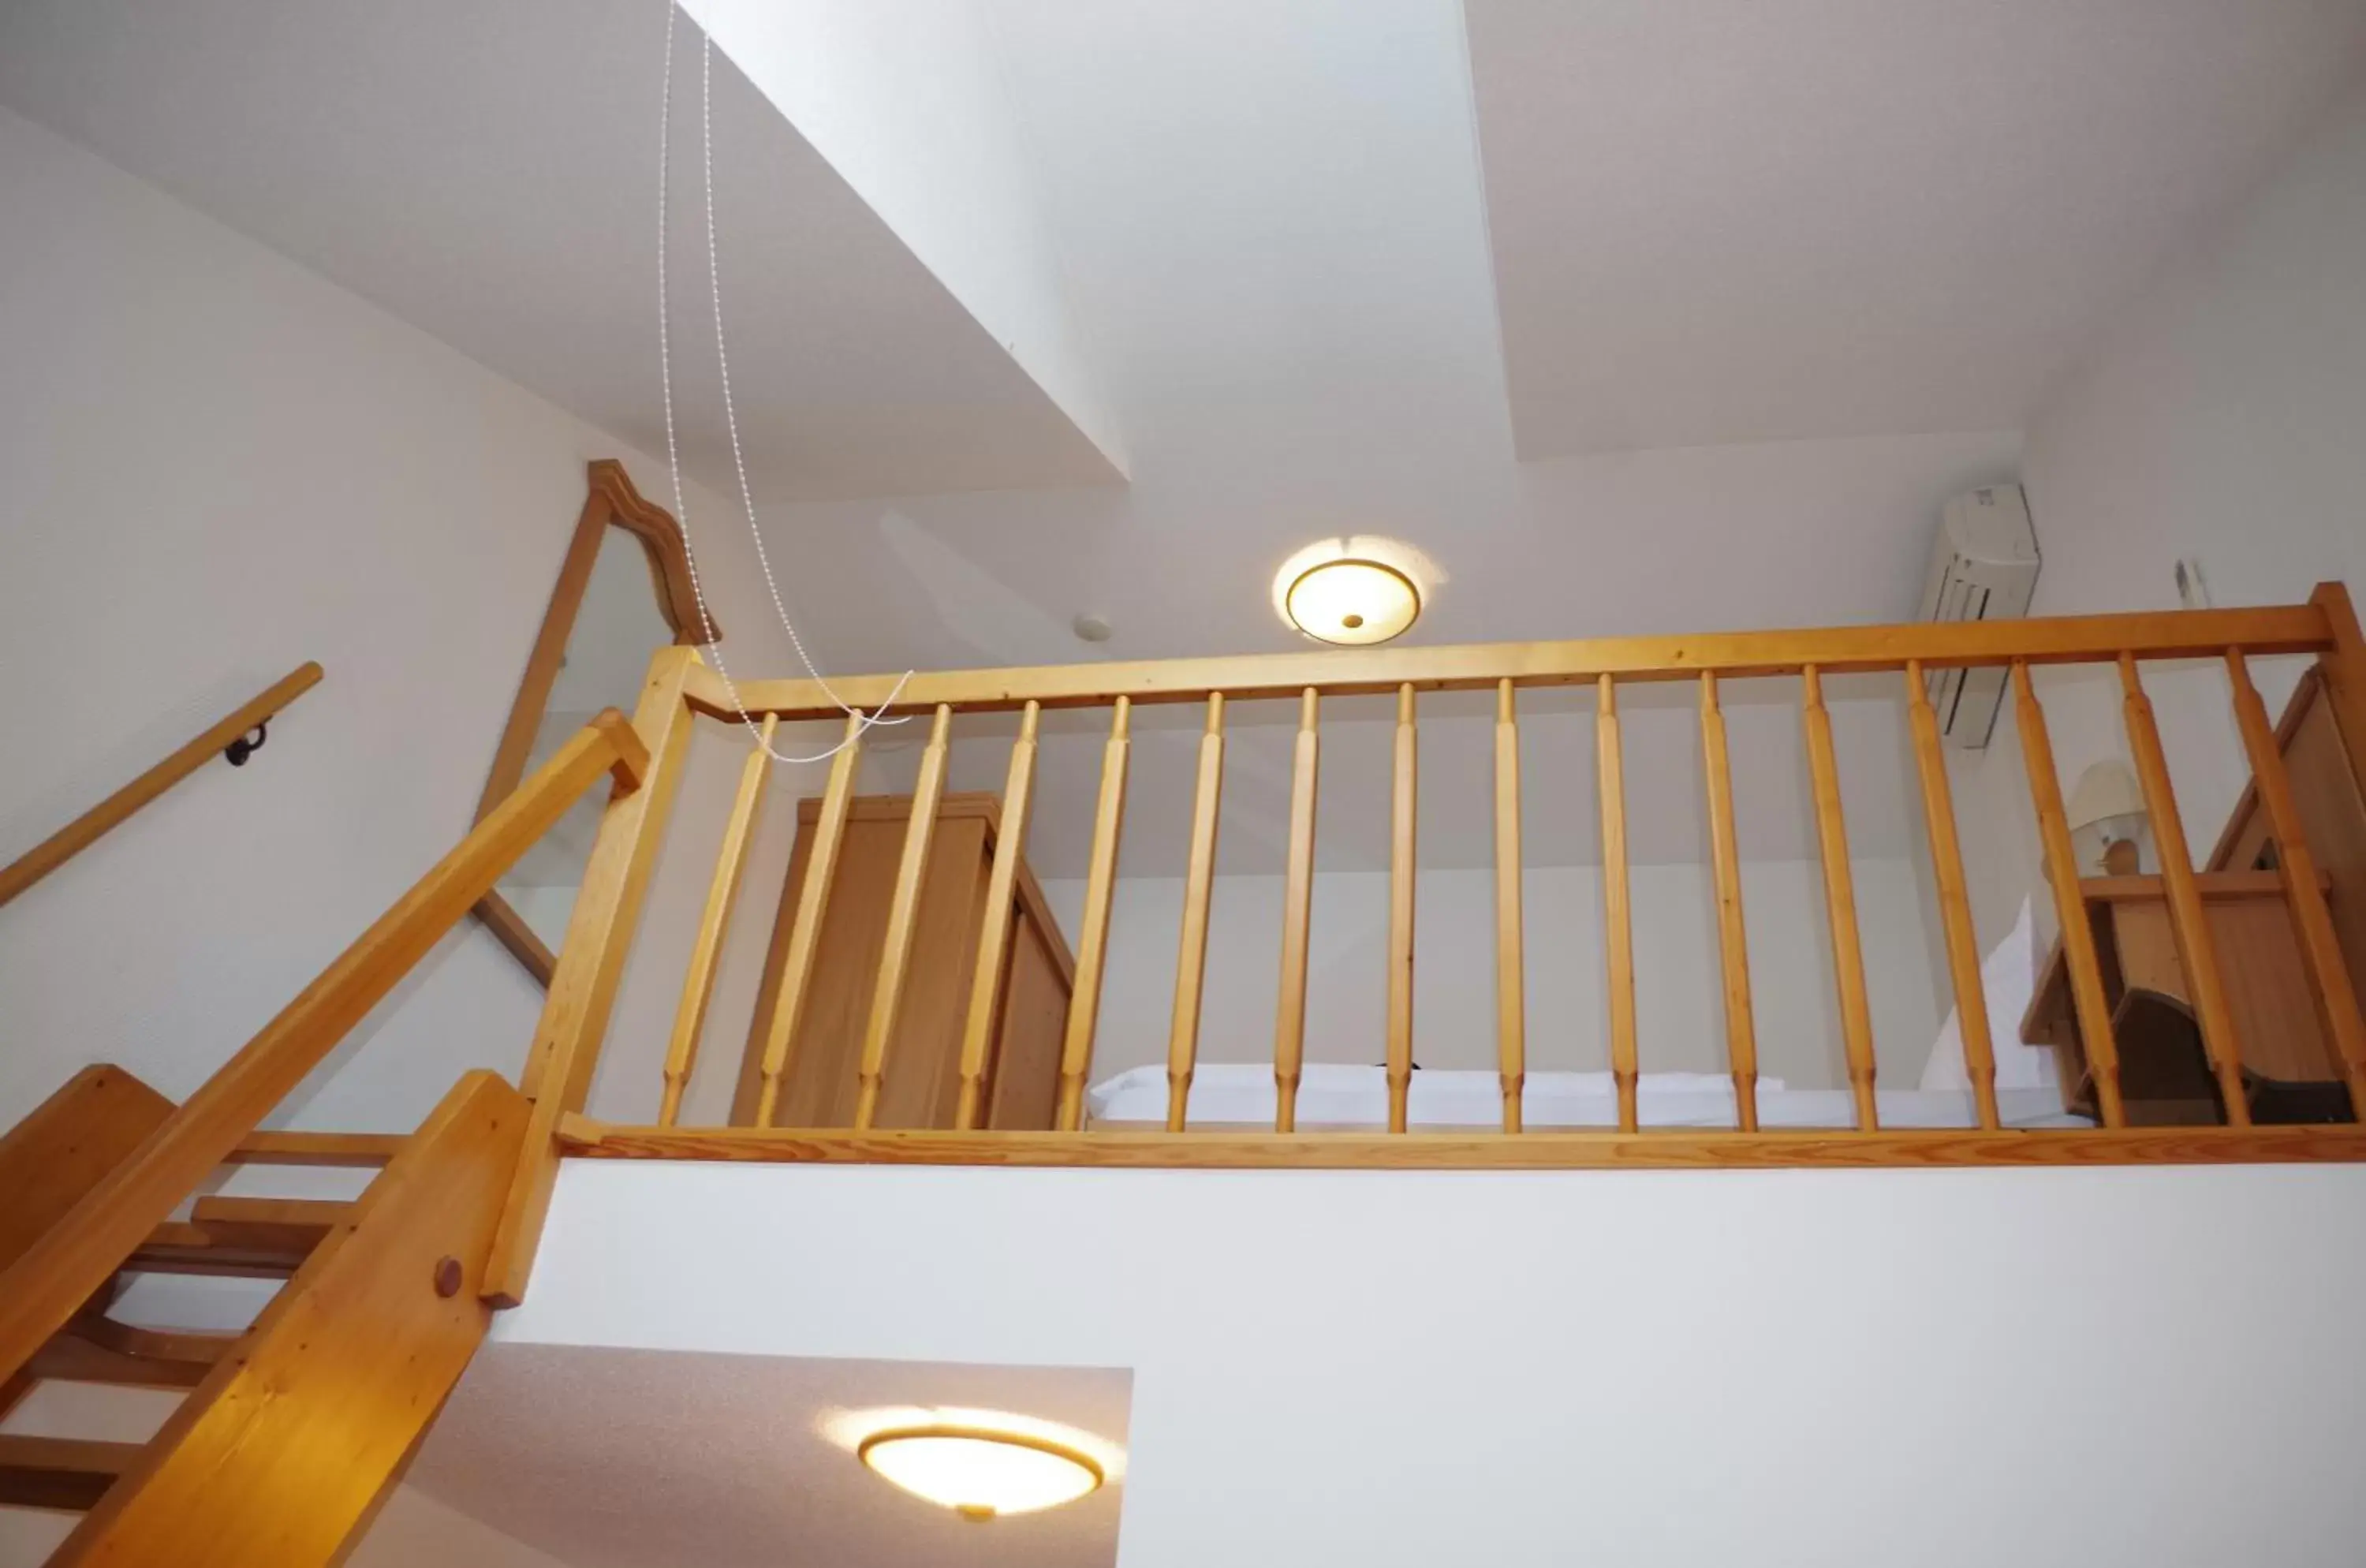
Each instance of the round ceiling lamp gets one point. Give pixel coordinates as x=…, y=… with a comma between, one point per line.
x=1352, y=591
x=981, y=1473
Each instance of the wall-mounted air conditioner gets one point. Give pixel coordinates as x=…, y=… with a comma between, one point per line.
x=1984, y=568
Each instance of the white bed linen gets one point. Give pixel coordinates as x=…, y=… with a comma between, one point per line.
x=1358, y=1096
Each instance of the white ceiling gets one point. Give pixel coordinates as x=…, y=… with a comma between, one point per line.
x=1778, y=280
x=487, y=172
x=1726, y=220
x=608, y=1457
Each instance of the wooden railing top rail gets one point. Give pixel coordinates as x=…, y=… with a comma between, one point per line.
x=99, y=820
x=73, y=1259
x=2171, y=634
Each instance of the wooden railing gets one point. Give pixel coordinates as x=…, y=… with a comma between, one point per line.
x=76, y=1255
x=2325, y=627
x=226, y=737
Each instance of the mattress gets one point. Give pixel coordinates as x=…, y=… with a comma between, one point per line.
x=1358, y=1096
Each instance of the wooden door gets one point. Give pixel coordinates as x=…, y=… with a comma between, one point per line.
x=1034, y=1020
x=920, y=1086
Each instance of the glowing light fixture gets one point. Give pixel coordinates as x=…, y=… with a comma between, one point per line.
x=979, y=1473
x=1355, y=591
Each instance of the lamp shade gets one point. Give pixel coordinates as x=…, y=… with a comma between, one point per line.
x=2106, y=789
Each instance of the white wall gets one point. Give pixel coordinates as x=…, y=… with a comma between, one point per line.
x=1680, y=1018
x=2219, y=417
x=1859, y=1369
x=219, y=466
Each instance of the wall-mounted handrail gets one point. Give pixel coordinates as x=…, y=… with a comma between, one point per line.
x=76, y=1256
x=95, y=823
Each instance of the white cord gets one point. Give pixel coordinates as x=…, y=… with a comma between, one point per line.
x=731, y=415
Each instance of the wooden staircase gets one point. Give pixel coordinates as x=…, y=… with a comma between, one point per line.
x=288, y=1435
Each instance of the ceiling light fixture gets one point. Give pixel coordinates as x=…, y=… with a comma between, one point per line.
x=1354, y=591
x=978, y=1473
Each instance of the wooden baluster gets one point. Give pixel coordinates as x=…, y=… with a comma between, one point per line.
x=1511, y=986
x=1963, y=941
x=903, y=919
x=1617, y=915
x=1092, y=946
x=994, y=933
x=804, y=932
x=2188, y=922
x=2069, y=905
x=1840, y=901
x=1191, y=951
x=2336, y=996
x=698, y=984
x=1725, y=854
x=1402, y=818
x=1297, y=914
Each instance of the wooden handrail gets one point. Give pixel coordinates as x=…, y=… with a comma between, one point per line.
x=2172, y=633
x=95, y=823
x=74, y=1257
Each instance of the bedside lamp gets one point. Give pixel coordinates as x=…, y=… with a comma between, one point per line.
x=2108, y=832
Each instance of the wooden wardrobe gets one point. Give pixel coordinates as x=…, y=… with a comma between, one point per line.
x=922, y=1079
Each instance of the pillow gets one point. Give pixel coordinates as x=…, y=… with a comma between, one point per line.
x=2009, y=977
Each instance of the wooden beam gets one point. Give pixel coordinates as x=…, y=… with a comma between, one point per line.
x=500, y=917
x=95, y=823
x=1548, y=1150
x=288, y=1443
x=2177, y=634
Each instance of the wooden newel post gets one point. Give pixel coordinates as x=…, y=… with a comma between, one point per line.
x=607, y=911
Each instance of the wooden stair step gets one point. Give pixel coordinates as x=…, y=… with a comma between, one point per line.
x=255, y=1237
x=318, y=1148
x=95, y=1348
x=71, y=1473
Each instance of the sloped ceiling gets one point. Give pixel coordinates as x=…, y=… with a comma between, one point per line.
x=1724, y=220
x=489, y=174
